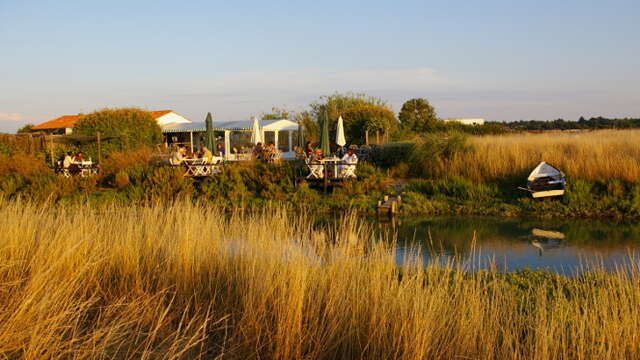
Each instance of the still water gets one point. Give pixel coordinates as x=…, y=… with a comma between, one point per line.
x=478, y=242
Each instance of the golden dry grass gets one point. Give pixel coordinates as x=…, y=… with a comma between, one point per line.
x=182, y=281
x=595, y=155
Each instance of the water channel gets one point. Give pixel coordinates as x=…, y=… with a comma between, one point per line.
x=562, y=246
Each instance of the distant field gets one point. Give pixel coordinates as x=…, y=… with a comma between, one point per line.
x=593, y=155
x=183, y=281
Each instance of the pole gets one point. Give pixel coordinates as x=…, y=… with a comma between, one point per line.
x=99, y=148
x=325, y=178
x=51, y=142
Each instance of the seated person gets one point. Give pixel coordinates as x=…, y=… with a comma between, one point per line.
x=79, y=157
x=316, y=155
x=257, y=151
x=206, y=155
x=178, y=156
x=68, y=160
x=350, y=157
x=349, y=160
x=308, y=149
x=273, y=153
x=220, y=149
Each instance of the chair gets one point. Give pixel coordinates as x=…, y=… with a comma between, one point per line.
x=348, y=170
x=316, y=171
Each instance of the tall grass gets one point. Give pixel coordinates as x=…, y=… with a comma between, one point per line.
x=183, y=281
x=596, y=155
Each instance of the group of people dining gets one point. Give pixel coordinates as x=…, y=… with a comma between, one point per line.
x=180, y=155
x=345, y=163
x=342, y=166
x=74, y=163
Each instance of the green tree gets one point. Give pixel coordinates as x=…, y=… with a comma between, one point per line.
x=25, y=129
x=360, y=112
x=362, y=118
x=121, y=129
x=311, y=128
x=276, y=114
x=418, y=115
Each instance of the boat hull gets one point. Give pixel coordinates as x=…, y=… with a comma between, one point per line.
x=547, y=193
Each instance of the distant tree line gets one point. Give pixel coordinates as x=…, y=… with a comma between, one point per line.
x=561, y=124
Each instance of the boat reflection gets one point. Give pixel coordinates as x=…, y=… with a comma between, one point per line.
x=545, y=240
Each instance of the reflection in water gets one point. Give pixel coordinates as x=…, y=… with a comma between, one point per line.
x=509, y=244
x=545, y=240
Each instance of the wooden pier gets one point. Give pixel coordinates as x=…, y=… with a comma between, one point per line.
x=390, y=205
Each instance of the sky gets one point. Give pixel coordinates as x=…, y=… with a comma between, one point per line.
x=499, y=60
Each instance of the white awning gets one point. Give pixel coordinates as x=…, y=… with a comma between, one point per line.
x=239, y=125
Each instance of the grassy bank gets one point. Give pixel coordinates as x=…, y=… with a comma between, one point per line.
x=182, y=281
x=455, y=174
x=446, y=173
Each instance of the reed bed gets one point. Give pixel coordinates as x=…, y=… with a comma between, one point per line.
x=592, y=155
x=182, y=281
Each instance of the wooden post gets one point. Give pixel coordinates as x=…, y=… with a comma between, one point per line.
x=99, y=148
x=191, y=140
x=325, y=178
x=366, y=137
x=378, y=137
x=51, y=142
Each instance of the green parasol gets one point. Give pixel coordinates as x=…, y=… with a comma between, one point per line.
x=324, y=137
x=210, y=138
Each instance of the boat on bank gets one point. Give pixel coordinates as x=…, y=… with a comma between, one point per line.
x=545, y=181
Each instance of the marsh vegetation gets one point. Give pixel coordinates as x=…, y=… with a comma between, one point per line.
x=184, y=281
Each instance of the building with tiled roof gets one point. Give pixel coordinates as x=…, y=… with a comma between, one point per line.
x=64, y=124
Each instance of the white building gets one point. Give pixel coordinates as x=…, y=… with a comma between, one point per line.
x=467, y=121
x=283, y=133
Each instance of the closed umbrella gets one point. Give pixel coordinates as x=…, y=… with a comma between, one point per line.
x=340, y=140
x=324, y=137
x=210, y=138
x=256, y=136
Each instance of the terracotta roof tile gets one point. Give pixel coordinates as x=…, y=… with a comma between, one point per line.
x=66, y=121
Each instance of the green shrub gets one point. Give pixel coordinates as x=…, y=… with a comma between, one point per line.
x=433, y=154
x=391, y=154
x=453, y=187
x=168, y=183
x=121, y=129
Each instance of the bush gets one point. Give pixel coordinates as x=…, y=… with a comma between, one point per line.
x=127, y=167
x=121, y=129
x=433, y=153
x=391, y=154
x=453, y=187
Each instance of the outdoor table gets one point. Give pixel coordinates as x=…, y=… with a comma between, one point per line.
x=198, y=167
x=331, y=161
x=86, y=167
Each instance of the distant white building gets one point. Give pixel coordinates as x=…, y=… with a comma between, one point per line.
x=469, y=121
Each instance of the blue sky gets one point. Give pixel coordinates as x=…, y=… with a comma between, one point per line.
x=501, y=60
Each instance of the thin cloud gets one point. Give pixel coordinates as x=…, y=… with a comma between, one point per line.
x=10, y=116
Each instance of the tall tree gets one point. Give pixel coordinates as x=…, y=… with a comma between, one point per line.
x=418, y=115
